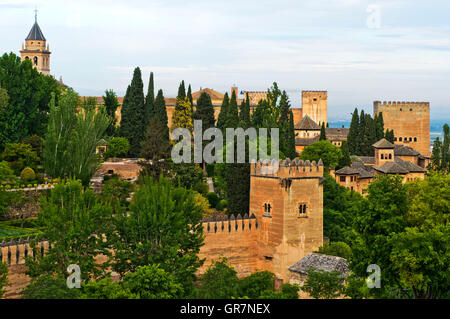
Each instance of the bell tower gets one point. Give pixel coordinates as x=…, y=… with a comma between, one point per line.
x=36, y=49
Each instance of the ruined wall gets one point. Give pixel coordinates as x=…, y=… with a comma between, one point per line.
x=410, y=122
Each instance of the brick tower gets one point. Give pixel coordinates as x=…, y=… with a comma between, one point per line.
x=37, y=49
x=314, y=104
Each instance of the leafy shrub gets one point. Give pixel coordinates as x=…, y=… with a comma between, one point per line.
x=222, y=204
x=337, y=248
x=27, y=174
x=213, y=199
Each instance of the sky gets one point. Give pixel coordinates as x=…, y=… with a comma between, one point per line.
x=359, y=51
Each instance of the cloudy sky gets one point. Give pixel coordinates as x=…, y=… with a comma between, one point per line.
x=358, y=50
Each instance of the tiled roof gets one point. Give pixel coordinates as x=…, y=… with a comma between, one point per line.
x=392, y=168
x=213, y=94
x=338, y=131
x=35, y=33
x=321, y=262
x=403, y=150
x=307, y=124
x=305, y=141
x=367, y=159
x=383, y=143
x=411, y=167
x=357, y=168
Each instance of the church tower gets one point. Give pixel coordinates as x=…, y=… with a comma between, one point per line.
x=37, y=49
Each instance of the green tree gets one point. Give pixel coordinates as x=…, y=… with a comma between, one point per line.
x=4, y=98
x=163, y=226
x=3, y=277
x=436, y=154
x=19, y=156
x=219, y=281
x=133, y=123
x=189, y=96
x=74, y=222
x=29, y=94
x=205, y=111
x=290, y=151
x=244, y=113
x=181, y=91
x=323, y=134
x=222, y=118
x=150, y=110
x=345, y=159
x=322, y=284
x=336, y=248
x=111, y=104
x=155, y=145
x=36, y=144
x=161, y=113
x=445, y=161
x=352, y=137
x=49, y=287
x=182, y=116
x=116, y=191
x=6, y=174
x=117, y=146
x=256, y=284
x=72, y=137
x=153, y=282
x=324, y=150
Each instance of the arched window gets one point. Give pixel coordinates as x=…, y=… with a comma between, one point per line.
x=267, y=209
x=415, y=139
x=410, y=139
x=382, y=156
x=35, y=60
x=302, y=209
x=390, y=156
x=400, y=139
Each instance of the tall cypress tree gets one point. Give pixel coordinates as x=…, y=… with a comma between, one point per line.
x=161, y=113
x=150, y=100
x=352, y=137
x=232, y=117
x=181, y=91
x=345, y=159
x=221, y=120
x=205, y=111
x=445, y=162
x=323, y=134
x=244, y=113
x=436, y=154
x=189, y=96
x=132, y=125
x=291, y=152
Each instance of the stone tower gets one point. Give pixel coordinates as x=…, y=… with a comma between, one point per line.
x=410, y=122
x=288, y=205
x=37, y=49
x=314, y=104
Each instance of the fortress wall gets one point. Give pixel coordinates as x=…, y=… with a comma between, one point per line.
x=234, y=239
x=408, y=120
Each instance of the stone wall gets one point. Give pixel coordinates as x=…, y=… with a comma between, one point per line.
x=410, y=122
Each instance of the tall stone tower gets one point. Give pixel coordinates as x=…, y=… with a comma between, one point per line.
x=314, y=104
x=37, y=49
x=288, y=205
x=410, y=122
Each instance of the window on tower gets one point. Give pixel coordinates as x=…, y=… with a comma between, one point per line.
x=35, y=60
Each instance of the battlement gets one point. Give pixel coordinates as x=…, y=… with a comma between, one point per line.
x=287, y=168
x=400, y=104
x=230, y=225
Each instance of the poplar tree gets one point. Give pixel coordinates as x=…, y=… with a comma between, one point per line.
x=221, y=120
x=133, y=124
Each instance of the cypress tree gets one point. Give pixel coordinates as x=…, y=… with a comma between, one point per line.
x=244, y=113
x=161, y=113
x=361, y=134
x=291, y=152
x=221, y=120
x=445, y=161
x=181, y=91
x=389, y=135
x=133, y=112
x=189, y=96
x=436, y=154
x=323, y=134
x=150, y=101
x=182, y=116
x=380, y=126
x=352, y=137
x=258, y=114
x=232, y=116
x=205, y=111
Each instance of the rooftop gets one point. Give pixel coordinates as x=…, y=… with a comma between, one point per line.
x=321, y=262
x=35, y=33
x=307, y=124
x=383, y=143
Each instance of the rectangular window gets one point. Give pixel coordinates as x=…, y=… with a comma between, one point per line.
x=342, y=178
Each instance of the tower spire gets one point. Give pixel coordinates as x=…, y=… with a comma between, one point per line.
x=35, y=14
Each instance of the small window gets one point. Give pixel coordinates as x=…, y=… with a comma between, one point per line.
x=410, y=110
x=390, y=156
x=342, y=178
x=382, y=156
x=35, y=60
x=302, y=209
x=401, y=110
x=315, y=99
x=110, y=171
x=400, y=139
x=395, y=139
x=267, y=209
x=415, y=139
x=268, y=258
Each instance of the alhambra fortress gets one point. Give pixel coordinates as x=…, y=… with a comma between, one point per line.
x=284, y=225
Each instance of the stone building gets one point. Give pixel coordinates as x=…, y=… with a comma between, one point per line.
x=410, y=122
x=389, y=159
x=37, y=49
